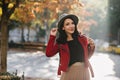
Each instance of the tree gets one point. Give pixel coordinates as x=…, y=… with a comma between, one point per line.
x=49, y=10
x=94, y=18
x=114, y=19
x=7, y=11
x=27, y=16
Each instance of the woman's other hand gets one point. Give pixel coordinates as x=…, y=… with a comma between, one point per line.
x=91, y=42
x=91, y=47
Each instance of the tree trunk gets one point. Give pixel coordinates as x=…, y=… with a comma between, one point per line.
x=22, y=34
x=6, y=13
x=0, y=48
x=28, y=34
x=4, y=46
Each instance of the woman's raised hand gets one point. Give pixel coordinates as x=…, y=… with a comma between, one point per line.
x=53, y=31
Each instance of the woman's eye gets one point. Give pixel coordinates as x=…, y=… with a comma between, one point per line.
x=67, y=23
x=72, y=22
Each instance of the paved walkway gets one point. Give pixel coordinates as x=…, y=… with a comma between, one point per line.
x=39, y=67
x=34, y=64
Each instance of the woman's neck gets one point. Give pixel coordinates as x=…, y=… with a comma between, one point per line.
x=69, y=37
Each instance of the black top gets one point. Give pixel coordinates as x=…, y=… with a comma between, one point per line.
x=76, y=51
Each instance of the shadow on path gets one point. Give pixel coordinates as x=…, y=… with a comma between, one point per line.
x=116, y=60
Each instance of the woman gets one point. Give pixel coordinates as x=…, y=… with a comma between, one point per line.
x=74, y=49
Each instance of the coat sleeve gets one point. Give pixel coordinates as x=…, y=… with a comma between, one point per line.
x=91, y=47
x=52, y=47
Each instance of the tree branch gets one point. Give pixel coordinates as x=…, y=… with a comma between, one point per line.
x=13, y=8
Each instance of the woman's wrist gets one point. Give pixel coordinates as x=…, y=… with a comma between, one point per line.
x=52, y=35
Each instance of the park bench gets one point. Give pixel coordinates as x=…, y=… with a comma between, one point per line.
x=28, y=45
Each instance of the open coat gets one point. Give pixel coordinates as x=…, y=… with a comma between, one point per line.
x=63, y=50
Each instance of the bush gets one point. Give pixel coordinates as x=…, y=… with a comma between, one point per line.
x=8, y=76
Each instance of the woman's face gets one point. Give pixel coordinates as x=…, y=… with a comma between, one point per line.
x=69, y=26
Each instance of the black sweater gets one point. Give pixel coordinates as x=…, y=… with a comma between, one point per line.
x=76, y=51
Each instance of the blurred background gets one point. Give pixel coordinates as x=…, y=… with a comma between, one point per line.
x=25, y=26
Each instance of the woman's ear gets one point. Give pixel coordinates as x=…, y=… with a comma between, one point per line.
x=63, y=28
